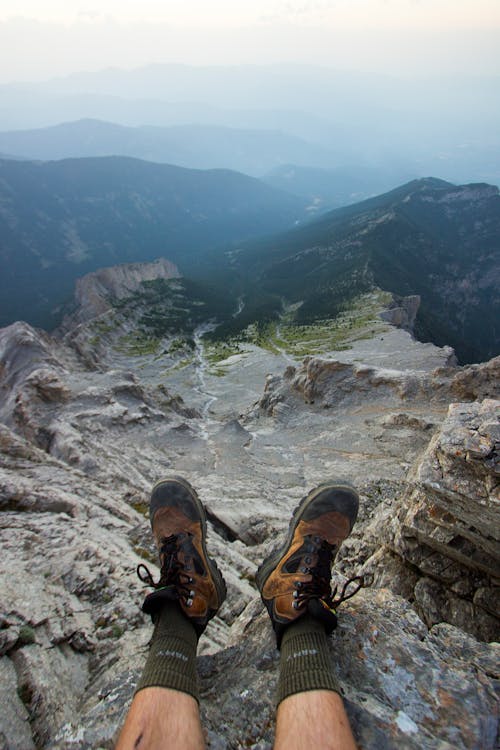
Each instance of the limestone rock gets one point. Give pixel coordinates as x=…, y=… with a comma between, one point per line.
x=447, y=525
x=337, y=383
x=50, y=682
x=15, y=733
x=333, y=384
x=95, y=291
x=32, y=382
x=476, y=381
x=402, y=311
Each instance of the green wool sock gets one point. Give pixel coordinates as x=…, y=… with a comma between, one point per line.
x=305, y=662
x=171, y=662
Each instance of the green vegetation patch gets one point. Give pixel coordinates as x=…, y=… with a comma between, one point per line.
x=174, y=307
x=117, y=630
x=26, y=636
x=168, y=309
x=104, y=326
x=357, y=319
x=141, y=506
x=181, y=365
x=145, y=553
x=218, y=351
x=181, y=345
x=138, y=344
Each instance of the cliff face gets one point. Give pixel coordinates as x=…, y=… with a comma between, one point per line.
x=446, y=530
x=402, y=312
x=80, y=449
x=95, y=292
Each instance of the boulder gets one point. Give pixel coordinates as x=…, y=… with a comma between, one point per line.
x=402, y=312
x=445, y=527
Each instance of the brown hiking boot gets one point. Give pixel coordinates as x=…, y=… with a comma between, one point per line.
x=188, y=574
x=296, y=578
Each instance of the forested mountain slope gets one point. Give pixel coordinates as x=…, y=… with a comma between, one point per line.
x=60, y=220
x=429, y=238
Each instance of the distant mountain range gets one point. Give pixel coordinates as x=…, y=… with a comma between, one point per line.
x=440, y=125
x=428, y=237
x=253, y=152
x=60, y=220
x=321, y=91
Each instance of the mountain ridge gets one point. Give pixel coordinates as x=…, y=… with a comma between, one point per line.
x=330, y=188
x=428, y=237
x=440, y=126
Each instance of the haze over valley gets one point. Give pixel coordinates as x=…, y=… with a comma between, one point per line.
x=445, y=126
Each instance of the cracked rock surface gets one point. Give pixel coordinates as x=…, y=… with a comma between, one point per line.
x=81, y=445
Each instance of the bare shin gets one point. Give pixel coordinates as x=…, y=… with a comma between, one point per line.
x=160, y=718
x=311, y=719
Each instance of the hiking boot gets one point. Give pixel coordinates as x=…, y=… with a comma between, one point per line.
x=188, y=575
x=296, y=578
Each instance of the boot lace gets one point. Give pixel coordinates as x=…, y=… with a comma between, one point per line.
x=172, y=573
x=319, y=587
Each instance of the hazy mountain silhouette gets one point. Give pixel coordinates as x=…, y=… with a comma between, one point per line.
x=194, y=146
x=434, y=125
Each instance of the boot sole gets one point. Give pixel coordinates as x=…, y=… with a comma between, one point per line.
x=217, y=577
x=271, y=562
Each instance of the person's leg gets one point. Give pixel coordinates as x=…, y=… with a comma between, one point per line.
x=316, y=719
x=310, y=710
x=161, y=718
x=164, y=711
x=295, y=586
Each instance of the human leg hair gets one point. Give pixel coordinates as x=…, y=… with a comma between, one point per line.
x=313, y=719
x=161, y=718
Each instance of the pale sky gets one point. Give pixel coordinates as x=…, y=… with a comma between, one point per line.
x=430, y=14
x=55, y=37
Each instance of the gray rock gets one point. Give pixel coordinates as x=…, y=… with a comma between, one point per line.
x=51, y=682
x=402, y=312
x=95, y=291
x=15, y=732
x=447, y=528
